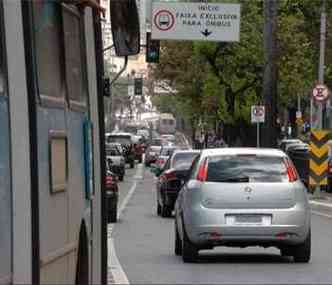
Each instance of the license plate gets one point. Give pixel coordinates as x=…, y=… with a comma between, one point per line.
x=248, y=219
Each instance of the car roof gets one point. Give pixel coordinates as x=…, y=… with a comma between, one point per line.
x=250, y=151
x=186, y=151
x=290, y=140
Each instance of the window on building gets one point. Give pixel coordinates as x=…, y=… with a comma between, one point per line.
x=49, y=60
x=74, y=51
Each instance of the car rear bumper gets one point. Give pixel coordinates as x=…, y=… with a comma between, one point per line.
x=209, y=227
x=118, y=169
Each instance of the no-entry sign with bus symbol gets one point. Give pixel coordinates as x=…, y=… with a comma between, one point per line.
x=257, y=114
x=320, y=93
x=164, y=20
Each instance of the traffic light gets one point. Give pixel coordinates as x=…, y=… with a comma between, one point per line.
x=138, y=85
x=152, y=49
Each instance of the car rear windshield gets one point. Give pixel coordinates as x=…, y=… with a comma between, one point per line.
x=119, y=139
x=246, y=168
x=167, y=151
x=154, y=149
x=183, y=160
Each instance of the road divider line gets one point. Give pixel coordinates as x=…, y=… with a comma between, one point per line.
x=321, y=214
x=321, y=204
x=119, y=276
x=116, y=272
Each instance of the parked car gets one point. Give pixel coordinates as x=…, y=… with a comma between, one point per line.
x=125, y=139
x=165, y=153
x=112, y=196
x=243, y=197
x=115, y=160
x=171, y=178
x=151, y=154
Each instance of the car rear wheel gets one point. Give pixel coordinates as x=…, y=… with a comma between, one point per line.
x=177, y=242
x=112, y=216
x=166, y=212
x=302, y=252
x=132, y=165
x=189, y=250
x=121, y=178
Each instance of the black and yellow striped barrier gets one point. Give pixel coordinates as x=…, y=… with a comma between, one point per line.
x=319, y=154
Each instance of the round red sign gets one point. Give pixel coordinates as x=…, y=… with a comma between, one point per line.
x=320, y=92
x=164, y=20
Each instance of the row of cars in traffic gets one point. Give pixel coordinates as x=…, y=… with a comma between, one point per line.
x=121, y=149
x=235, y=197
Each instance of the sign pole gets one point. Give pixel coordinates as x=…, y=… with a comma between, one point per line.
x=317, y=192
x=257, y=144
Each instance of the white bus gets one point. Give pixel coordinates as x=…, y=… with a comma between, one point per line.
x=166, y=124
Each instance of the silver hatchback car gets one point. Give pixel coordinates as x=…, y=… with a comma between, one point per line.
x=243, y=197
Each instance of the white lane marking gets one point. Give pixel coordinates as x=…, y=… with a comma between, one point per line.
x=321, y=214
x=321, y=204
x=118, y=276
x=126, y=199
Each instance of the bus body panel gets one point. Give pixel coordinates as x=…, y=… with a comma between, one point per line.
x=79, y=206
x=54, y=216
x=61, y=213
x=5, y=195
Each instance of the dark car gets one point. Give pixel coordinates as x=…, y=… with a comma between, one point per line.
x=115, y=160
x=165, y=153
x=171, y=179
x=112, y=196
x=125, y=139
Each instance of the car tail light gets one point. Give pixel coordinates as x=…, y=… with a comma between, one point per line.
x=291, y=171
x=110, y=180
x=170, y=174
x=202, y=171
x=160, y=161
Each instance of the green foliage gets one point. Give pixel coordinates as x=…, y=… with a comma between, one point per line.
x=220, y=81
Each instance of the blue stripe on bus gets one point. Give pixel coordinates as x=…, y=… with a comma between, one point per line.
x=5, y=190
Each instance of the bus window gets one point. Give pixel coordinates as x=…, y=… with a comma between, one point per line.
x=47, y=30
x=75, y=71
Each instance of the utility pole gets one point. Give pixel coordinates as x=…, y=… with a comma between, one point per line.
x=269, y=134
x=321, y=69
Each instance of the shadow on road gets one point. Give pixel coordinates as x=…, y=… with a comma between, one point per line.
x=205, y=257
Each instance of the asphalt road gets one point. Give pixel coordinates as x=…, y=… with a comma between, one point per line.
x=143, y=244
